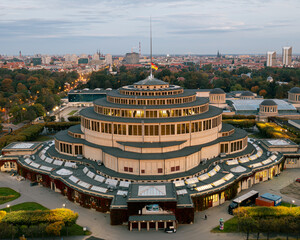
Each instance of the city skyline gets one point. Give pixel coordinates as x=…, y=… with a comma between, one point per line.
x=179, y=27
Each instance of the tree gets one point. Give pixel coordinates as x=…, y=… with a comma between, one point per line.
x=6, y=85
x=247, y=224
x=55, y=228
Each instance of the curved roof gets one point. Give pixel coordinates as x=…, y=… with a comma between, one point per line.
x=217, y=91
x=247, y=94
x=91, y=114
x=295, y=90
x=268, y=102
x=151, y=81
x=104, y=103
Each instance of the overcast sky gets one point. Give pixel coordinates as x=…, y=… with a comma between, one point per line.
x=179, y=26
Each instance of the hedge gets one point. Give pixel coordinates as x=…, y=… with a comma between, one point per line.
x=238, y=116
x=25, y=133
x=66, y=216
x=241, y=123
x=267, y=212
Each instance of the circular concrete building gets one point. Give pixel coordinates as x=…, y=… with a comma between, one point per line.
x=294, y=95
x=150, y=128
x=151, y=154
x=217, y=96
x=268, y=108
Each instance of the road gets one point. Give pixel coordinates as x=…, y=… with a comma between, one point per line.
x=99, y=223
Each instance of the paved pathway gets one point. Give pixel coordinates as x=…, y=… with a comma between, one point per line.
x=99, y=223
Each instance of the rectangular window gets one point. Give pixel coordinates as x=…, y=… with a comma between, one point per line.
x=142, y=171
x=177, y=168
x=126, y=169
x=160, y=170
x=172, y=169
x=130, y=169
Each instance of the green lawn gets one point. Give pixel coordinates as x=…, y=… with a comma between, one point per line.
x=286, y=204
x=256, y=135
x=27, y=206
x=8, y=194
x=74, y=230
x=229, y=226
x=43, y=138
x=72, y=112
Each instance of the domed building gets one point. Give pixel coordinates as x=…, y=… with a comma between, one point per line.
x=267, y=108
x=149, y=128
x=150, y=153
x=294, y=95
x=246, y=95
x=217, y=97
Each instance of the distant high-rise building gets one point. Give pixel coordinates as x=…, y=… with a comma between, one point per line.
x=271, y=59
x=132, y=58
x=286, y=56
x=108, y=59
x=46, y=59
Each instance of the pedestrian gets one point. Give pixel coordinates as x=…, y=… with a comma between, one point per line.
x=205, y=217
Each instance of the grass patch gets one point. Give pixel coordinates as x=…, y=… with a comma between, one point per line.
x=72, y=112
x=27, y=206
x=286, y=204
x=74, y=230
x=43, y=138
x=229, y=226
x=256, y=135
x=8, y=194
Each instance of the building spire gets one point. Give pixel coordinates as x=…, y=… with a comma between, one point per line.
x=151, y=76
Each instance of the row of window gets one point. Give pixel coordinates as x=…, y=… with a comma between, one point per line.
x=151, y=113
x=9, y=165
x=159, y=170
x=67, y=148
x=167, y=101
x=234, y=146
x=74, y=135
x=227, y=133
x=151, y=130
x=152, y=93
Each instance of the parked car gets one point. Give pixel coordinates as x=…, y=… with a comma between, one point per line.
x=170, y=229
x=298, y=180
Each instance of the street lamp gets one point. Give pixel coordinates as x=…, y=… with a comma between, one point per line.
x=8, y=206
x=64, y=205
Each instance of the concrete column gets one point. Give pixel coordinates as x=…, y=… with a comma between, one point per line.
x=148, y=226
x=130, y=226
x=165, y=224
x=156, y=226
x=139, y=226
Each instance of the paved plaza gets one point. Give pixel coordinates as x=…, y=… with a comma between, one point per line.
x=99, y=223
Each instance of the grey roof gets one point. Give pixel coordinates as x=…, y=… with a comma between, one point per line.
x=268, y=102
x=27, y=146
x=151, y=217
x=247, y=93
x=103, y=102
x=226, y=127
x=75, y=129
x=90, y=113
x=295, y=90
x=151, y=81
x=253, y=105
x=217, y=91
x=186, y=93
x=152, y=144
x=133, y=194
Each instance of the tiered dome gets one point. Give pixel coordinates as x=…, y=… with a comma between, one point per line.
x=151, y=128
